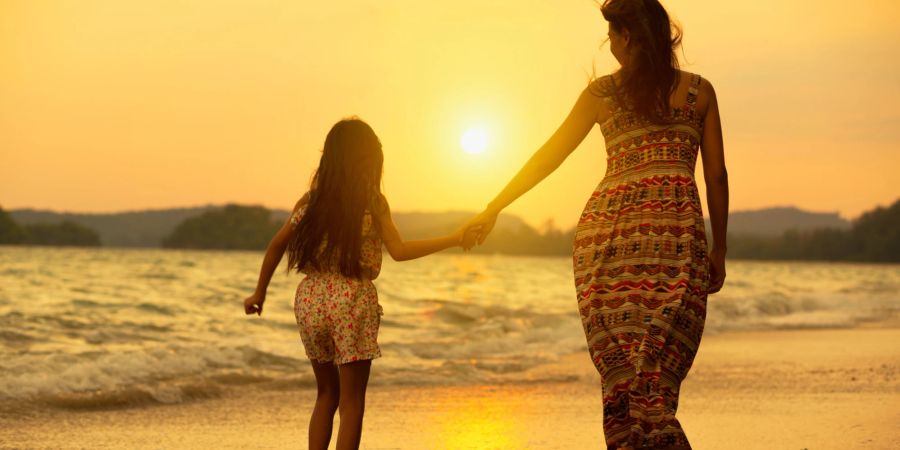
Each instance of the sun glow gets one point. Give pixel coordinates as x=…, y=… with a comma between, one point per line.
x=474, y=141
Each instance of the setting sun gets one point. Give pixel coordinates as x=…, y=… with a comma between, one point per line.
x=474, y=141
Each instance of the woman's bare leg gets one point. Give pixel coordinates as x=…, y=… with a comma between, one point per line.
x=327, y=400
x=354, y=379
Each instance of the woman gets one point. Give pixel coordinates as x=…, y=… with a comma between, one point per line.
x=642, y=268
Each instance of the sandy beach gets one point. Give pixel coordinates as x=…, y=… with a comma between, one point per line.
x=807, y=389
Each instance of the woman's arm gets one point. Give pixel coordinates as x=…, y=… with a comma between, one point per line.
x=586, y=112
x=274, y=253
x=712, y=150
x=402, y=250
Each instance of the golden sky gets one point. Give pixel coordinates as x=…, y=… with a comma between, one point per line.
x=110, y=105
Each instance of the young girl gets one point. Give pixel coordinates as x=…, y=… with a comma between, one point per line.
x=334, y=236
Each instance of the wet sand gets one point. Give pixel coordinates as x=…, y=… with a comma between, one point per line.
x=807, y=389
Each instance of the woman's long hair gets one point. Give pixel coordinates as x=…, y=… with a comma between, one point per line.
x=651, y=75
x=346, y=183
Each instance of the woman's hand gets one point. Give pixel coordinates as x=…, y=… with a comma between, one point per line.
x=483, y=223
x=254, y=304
x=716, y=270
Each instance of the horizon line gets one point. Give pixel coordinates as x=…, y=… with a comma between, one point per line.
x=219, y=205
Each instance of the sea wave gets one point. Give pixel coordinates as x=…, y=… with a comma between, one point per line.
x=157, y=374
x=79, y=331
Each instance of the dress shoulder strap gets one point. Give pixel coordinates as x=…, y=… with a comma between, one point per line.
x=693, y=92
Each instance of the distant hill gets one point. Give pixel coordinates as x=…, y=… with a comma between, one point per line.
x=512, y=235
x=148, y=228
x=770, y=222
x=126, y=229
x=420, y=225
x=235, y=227
x=873, y=237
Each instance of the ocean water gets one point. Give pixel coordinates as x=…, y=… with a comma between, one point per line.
x=99, y=328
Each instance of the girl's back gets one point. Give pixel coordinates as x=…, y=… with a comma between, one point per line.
x=370, y=248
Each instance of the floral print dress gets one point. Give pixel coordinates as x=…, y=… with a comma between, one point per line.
x=337, y=316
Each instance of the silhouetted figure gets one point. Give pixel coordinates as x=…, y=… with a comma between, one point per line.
x=335, y=236
x=640, y=257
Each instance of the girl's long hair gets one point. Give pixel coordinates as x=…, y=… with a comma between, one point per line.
x=345, y=185
x=652, y=73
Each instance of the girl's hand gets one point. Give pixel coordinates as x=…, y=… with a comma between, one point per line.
x=716, y=270
x=254, y=304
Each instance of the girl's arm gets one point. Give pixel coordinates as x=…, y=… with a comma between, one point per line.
x=402, y=250
x=586, y=112
x=712, y=150
x=274, y=253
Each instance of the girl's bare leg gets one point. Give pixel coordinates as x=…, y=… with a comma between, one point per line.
x=327, y=400
x=354, y=379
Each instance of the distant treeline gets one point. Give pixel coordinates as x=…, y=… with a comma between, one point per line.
x=234, y=227
x=239, y=227
x=874, y=237
x=65, y=233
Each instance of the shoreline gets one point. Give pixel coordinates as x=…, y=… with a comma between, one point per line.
x=816, y=389
x=450, y=251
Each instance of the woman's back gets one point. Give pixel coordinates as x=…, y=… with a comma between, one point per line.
x=637, y=146
x=640, y=264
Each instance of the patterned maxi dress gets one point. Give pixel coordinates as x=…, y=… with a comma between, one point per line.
x=641, y=271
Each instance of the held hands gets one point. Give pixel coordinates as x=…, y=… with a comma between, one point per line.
x=482, y=224
x=468, y=237
x=476, y=229
x=254, y=304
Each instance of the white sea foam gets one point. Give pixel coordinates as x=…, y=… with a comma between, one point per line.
x=86, y=328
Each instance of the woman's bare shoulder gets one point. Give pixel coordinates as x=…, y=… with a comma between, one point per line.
x=706, y=95
x=705, y=91
x=602, y=87
x=705, y=84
